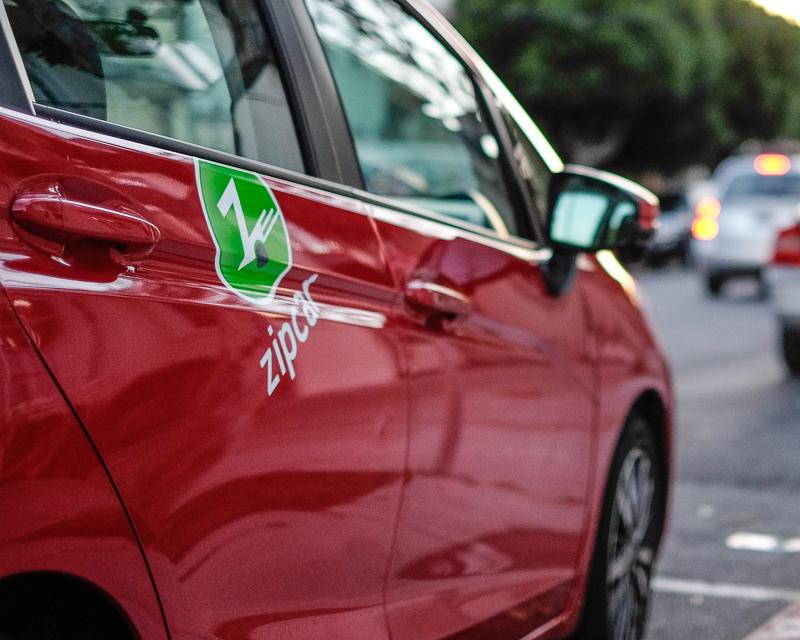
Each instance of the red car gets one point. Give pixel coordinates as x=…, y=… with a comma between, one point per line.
x=308, y=333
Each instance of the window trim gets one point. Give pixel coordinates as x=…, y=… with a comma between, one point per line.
x=18, y=94
x=312, y=97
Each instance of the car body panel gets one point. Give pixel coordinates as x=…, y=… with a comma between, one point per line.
x=629, y=365
x=249, y=522
x=60, y=512
x=495, y=496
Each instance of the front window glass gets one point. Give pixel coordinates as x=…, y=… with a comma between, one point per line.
x=419, y=131
x=201, y=71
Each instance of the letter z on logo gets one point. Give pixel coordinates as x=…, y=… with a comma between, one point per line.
x=248, y=228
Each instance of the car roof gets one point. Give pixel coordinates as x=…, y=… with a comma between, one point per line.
x=742, y=165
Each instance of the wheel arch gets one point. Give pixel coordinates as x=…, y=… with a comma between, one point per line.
x=650, y=406
x=648, y=403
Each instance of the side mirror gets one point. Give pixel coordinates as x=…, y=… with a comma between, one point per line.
x=592, y=210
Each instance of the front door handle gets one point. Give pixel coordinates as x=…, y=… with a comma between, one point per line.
x=434, y=299
x=58, y=220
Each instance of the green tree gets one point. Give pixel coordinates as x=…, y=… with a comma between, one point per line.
x=643, y=84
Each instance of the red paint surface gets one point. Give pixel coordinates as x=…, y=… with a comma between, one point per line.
x=58, y=510
x=425, y=474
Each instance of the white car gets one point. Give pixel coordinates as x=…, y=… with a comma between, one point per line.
x=783, y=277
x=734, y=231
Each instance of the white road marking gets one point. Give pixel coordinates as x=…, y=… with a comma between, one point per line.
x=752, y=593
x=784, y=626
x=744, y=541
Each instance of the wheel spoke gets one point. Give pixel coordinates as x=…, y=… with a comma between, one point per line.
x=620, y=604
x=619, y=568
x=625, y=508
x=645, y=559
x=645, y=498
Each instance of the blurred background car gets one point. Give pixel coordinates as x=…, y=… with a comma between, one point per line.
x=735, y=231
x=673, y=235
x=783, y=277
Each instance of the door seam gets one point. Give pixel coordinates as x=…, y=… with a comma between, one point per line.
x=97, y=453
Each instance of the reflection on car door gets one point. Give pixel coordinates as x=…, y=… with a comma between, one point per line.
x=264, y=486
x=501, y=400
x=222, y=336
x=501, y=430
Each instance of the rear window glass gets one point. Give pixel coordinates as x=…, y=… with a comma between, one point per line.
x=200, y=71
x=764, y=186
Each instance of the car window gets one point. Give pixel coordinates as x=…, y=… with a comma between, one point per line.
x=200, y=71
x=419, y=130
x=754, y=186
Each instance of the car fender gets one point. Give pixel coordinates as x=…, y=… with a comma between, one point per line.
x=59, y=508
x=631, y=375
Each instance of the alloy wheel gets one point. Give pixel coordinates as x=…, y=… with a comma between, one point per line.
x=630, y=551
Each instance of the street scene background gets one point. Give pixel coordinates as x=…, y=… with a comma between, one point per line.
x=737, y=466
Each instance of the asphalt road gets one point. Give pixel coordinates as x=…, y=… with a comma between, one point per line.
x=738, y=463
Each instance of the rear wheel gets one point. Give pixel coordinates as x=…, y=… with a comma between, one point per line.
x=618, y=593
x=790, y=343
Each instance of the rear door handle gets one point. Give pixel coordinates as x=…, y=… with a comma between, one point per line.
x=434, y=299
x=58, y=219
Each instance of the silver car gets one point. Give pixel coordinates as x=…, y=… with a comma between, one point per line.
x=735, y=230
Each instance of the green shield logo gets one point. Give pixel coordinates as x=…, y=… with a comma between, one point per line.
x=249, y=230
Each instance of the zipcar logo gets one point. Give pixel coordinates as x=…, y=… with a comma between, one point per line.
x=249, y=230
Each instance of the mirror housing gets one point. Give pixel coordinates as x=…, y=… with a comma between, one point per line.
x=592, y=210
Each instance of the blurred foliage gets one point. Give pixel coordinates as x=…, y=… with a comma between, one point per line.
x=643, y=85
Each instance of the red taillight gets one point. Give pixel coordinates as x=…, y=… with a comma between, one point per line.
x=772, y=164
x=708, y=208
x=705, y=225
x=787, y=247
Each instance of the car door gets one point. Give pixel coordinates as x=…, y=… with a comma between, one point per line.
x=218, y=324
x=501, y=417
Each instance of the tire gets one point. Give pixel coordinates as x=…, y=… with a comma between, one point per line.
x=58, y=607
x=790, y=347
x=714, y=284
x=627, y=542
